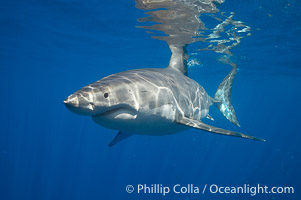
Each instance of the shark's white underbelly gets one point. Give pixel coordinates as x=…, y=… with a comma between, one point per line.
x=160, y=121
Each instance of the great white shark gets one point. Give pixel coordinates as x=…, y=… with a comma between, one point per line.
x=154, y=101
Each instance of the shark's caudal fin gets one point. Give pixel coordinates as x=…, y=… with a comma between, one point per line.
x=222, y=96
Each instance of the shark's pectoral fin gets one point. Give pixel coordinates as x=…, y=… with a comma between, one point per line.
x=200, y=125
x=119, y=137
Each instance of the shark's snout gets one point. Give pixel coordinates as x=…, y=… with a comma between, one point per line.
x=80, y=103
x=72, y=101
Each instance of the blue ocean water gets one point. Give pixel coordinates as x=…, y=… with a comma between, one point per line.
x=50, y=49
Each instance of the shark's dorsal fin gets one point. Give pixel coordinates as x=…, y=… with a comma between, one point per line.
x=177, y=61
x=200, y=125
x=119, y=137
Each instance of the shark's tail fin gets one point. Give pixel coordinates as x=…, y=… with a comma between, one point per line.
x=222, y=96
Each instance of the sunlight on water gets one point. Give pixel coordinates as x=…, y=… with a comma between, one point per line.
x=184, y=22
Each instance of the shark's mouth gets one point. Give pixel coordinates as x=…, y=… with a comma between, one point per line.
x=109, y=112
x=117, y=110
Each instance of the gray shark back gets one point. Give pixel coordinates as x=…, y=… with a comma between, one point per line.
x=150, y=101
x=152, y=89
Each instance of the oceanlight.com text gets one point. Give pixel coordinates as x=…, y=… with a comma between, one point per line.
x=247, y=189
x=251, y=190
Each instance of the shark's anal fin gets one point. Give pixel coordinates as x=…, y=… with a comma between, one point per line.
x=200, y=125
x=118, y=138
x=209, y=117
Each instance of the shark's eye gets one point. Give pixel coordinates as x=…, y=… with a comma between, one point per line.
x=106, y=95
